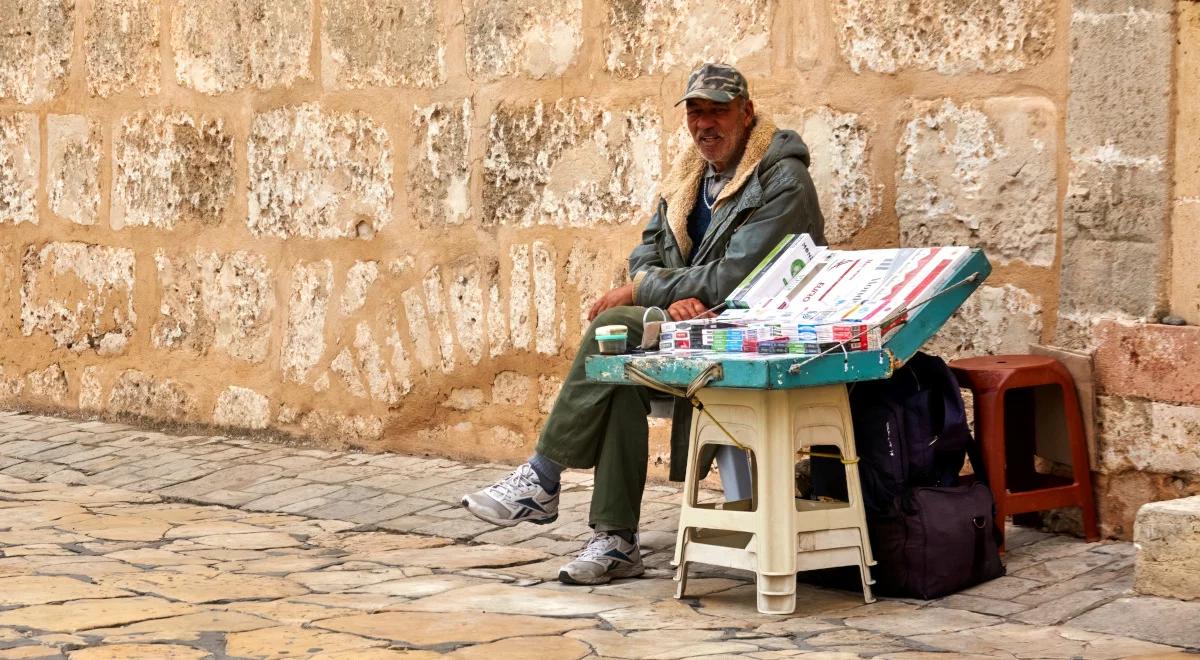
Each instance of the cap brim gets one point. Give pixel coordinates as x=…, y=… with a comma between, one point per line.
x=720, y=96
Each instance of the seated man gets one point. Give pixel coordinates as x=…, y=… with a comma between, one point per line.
x=721, y=210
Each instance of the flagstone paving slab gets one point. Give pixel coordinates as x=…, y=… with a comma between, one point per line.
x=84, y=614
x=519, y=648
x=192, y=588
x=432, y=629
x=30, y=590
x=293, y=641
x=517, y=600
x=1156, y=619
x=184, y=627
x=250, y=541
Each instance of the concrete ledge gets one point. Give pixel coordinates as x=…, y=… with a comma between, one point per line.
x=1167, y=537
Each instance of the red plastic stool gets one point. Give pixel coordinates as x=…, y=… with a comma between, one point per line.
x=1005, y=424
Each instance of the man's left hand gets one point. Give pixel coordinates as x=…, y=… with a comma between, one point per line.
x=687, y=309
x=618, y=297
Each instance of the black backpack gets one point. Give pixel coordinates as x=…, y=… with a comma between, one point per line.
x=910, y=430
x=931, y=535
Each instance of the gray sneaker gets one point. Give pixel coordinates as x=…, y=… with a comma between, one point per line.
x=517, y=498
x=607, y=557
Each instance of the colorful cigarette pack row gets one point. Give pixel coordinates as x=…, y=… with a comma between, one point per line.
x=805, y=299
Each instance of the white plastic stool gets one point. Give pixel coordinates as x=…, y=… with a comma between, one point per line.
x=774, y=534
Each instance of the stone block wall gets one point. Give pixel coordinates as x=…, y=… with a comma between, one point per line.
x=382, y=223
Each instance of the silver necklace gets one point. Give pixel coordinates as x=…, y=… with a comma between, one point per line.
x=714, y=202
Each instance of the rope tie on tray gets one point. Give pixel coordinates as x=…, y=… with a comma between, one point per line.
x=709, y=373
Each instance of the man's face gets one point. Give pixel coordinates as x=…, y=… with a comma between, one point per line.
x=719, y=129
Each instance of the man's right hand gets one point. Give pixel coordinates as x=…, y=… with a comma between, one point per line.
x=688, y=309
x=618, y=297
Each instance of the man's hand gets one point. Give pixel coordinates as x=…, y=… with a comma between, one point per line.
x=687, y=309
x=618, y=297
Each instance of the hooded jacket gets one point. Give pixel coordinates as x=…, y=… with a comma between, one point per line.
x=771, y=195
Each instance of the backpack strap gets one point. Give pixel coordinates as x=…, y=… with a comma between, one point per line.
x=952, y=409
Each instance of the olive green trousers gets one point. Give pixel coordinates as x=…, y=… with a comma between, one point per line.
x=602, y=426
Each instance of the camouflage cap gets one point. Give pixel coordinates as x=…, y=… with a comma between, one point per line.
x=715, y=82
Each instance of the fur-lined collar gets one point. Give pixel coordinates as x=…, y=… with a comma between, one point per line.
x=681, y=185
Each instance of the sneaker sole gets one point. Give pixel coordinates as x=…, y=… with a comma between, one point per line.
x=507, y=522
x=631, y=572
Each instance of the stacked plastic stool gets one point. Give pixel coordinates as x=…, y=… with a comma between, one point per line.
x=774, y=534
x=1005, y=424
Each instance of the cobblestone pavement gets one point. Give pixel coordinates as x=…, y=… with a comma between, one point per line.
x=125, y=543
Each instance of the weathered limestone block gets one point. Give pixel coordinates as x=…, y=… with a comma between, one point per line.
x=343, y=365
x=79, y=294
x=318, y=174
x=545, y=295
x=10, y=303
x=511, y=388
x=648, y=37
x=1185, y=221
x=1104, y=280
x=465, y=399
x=418, y=328
x=593, y=273
x=73, y=146
x=383, y=43
x=548, y=387
x=506, y=37
x=1167, y=537
x=10, y=387
x=355, y=430
x=304, y=341
x=466, y=308
x=981, y=175
x=380, y=382
x=401, y=366
x=839, y=143
x=1149, y=436
x=947, y=36
x=520, y=316
x=137, y=393
x=19, y=158
x=91, y=390
x=121, y=47
x=170, y=167
x=439, y=172
x=209, y=300
x=365, y=373
x=226, y=45
x=1150, y=361
x=1118, y=132
x=1120, y=495
x=1185, y=277
x=497, y=320
x=1187, y=100
x=49, y=383
x=572, y=164
x=359, y=279
x=1116, y=99
x=36, y=58
x=239, y=407
x=439, y=318
x=1114, y=226
x=994, y=320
